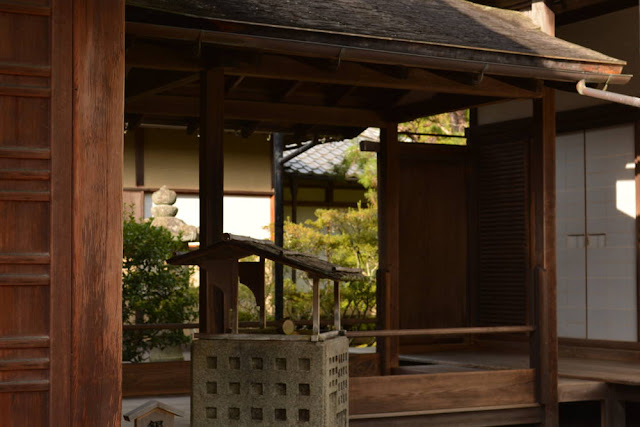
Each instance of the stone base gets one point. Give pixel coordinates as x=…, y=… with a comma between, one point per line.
x=248, y=380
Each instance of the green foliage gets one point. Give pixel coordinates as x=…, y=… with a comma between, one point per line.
x=347, y=237
x=452, y=123
x=152, y=290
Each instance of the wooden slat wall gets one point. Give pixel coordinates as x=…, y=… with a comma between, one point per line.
x=502, y=231
x=60, y=211
x=25, y=212
x=433, y=238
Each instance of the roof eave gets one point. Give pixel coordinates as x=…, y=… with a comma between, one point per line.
x=492, y=63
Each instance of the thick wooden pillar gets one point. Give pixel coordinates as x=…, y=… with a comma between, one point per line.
x=211, y=190
x=544, y=343
x=389, y=244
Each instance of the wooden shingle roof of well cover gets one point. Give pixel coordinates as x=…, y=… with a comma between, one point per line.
x=449, y=34
x=236, y=247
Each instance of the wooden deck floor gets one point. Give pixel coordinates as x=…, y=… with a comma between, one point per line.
x=579, y=379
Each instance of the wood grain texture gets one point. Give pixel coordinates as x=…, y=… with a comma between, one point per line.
x=25, y=8
x=389, y=243
x=211, y=178
x=544, y=343
x=468, y=417
x=24, y=364
x=24, y=342
x=440, y=391
x=152, y=379
x=32, y=406
x=98, y=83
x=24, y=279
x=502, y=232
x=364, y=365
x=432, y=238
x=576, y=390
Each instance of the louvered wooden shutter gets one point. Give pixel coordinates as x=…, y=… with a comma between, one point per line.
x=502, y=232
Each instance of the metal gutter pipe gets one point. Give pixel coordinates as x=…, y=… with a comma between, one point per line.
x=607, y=96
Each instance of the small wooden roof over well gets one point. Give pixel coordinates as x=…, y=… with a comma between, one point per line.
x=236, y=247
x=150, y=406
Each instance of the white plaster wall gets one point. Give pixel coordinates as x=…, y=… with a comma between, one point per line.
x=570, y=236
x=611, y=253
x=246, y=216
x=595, y=234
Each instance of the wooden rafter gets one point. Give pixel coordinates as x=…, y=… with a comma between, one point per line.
x=233, y=85
x=176, y=106
x=173, y=84
x=436, y=105
x=348, y=73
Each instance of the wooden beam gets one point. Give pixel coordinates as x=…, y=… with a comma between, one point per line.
x=233, y=85
x=399, y=393
x=211, y=190
x=165, y=87
x=528, y=414
x=440, y=103
x=354, y=74
x=348, y=74
x=177, y=106
x=441, y=331
x=154, y=56
x=544, y=344
x=542, y=15
x=282, y=96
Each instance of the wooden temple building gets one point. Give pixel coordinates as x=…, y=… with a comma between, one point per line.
x=461, y=227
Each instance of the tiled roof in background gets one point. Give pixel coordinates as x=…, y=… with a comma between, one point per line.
x=321, y=160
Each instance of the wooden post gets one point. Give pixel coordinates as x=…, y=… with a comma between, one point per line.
x=211, y=188
x=139, y=157
x=337, y=325
x=637, y=181
x=542, y=15
x=294, y=214
x=278, y=149
x=544, y=346
x=389, y=245
x=315, y=310
x=86, y=134
x=263, y=302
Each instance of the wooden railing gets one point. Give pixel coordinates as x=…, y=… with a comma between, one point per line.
x=325, y=322
x=441, y=331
